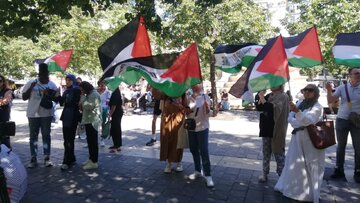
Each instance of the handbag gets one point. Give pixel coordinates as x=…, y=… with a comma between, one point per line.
x=190, y=123
x=7, y=128
x=322, y=134
x=105, y=130
x=46, y=103
x=183, y=137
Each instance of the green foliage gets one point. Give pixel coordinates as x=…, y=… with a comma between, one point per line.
x=331, y=18
x=231, y=22
x=30, y=18
x=180, y=24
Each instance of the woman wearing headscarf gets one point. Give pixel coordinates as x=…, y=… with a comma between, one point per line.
x=70, y=117
x=90, y=104
x=273, y=125
x=304, y=164
x=5, y=107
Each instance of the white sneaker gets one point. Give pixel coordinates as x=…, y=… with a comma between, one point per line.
x=64, y=167
x=263, y=178
x=90, y=165
x=102, y=143
x=85, y=162
x=195, y=175
x=47, y=162
x=167, y=168
x=179, y=167
x=209, y=181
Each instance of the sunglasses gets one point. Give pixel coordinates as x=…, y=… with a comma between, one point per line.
x=307, y=90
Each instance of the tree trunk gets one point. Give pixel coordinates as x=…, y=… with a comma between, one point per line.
x=213, y=85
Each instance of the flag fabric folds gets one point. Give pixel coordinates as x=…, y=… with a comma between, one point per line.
x=303, y=50
x=269, y=69
x=346, y=50
x=172, y=74
x=230, y=58
x=129, y=42
x=57, y=62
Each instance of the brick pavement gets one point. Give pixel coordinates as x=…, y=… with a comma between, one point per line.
x=136, y=174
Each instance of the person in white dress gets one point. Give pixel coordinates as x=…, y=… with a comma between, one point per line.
x=303, y=173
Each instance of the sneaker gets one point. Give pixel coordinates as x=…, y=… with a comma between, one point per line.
x=167, y=168
x=151, y=142
x=112, y=147
x=102, y=143
x=85, y=162
x=357, y=176
x=338, y=173
x=33, y=163
x=209, y=181
x=179, y=167
x=90, y=165
x=47, y=162
x=114, y=150
x=263, y=178
x=64, y=167
x=195, y=175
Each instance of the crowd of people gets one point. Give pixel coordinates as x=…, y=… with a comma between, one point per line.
x=300, y=169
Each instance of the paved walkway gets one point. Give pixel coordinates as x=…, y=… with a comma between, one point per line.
x=136, y=174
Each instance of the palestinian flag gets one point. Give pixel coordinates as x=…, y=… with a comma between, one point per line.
x=230, y=58
x=303, y=50
x=57, y=62
x=347, y=49
x=240, y=89
x=129, y=42
x=172, y=74
x=270, y=68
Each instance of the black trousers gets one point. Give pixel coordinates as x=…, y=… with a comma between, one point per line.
x=69, y=139
x=92, y=141
x=115, y=130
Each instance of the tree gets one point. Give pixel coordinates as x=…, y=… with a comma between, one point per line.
x=331, y=18
x=229, y=22
x=30, y=18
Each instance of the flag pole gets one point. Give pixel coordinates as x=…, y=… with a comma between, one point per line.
x=289, y=91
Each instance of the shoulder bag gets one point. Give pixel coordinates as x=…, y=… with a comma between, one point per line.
x=354, y=117
x=322, y=134
x=190, y=123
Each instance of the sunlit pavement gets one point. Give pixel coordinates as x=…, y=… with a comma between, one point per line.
x=136, y=174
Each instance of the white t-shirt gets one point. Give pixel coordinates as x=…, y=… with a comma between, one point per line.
x=354, y=94
x=105, y=98
x=34, y=110
x=201, y=118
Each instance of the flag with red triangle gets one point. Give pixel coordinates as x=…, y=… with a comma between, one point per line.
x=269, y=69
x=129, y=42
x=172, y=74
x=57, y=62
x=303, y=50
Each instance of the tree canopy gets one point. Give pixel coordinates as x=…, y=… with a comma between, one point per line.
x=331, y=18
x=182, y=22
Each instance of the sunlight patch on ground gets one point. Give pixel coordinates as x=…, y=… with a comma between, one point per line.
x=22, y=140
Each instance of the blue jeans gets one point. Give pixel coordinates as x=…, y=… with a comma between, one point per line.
x=35, y=124
x=343, y=127
x=199, y=145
